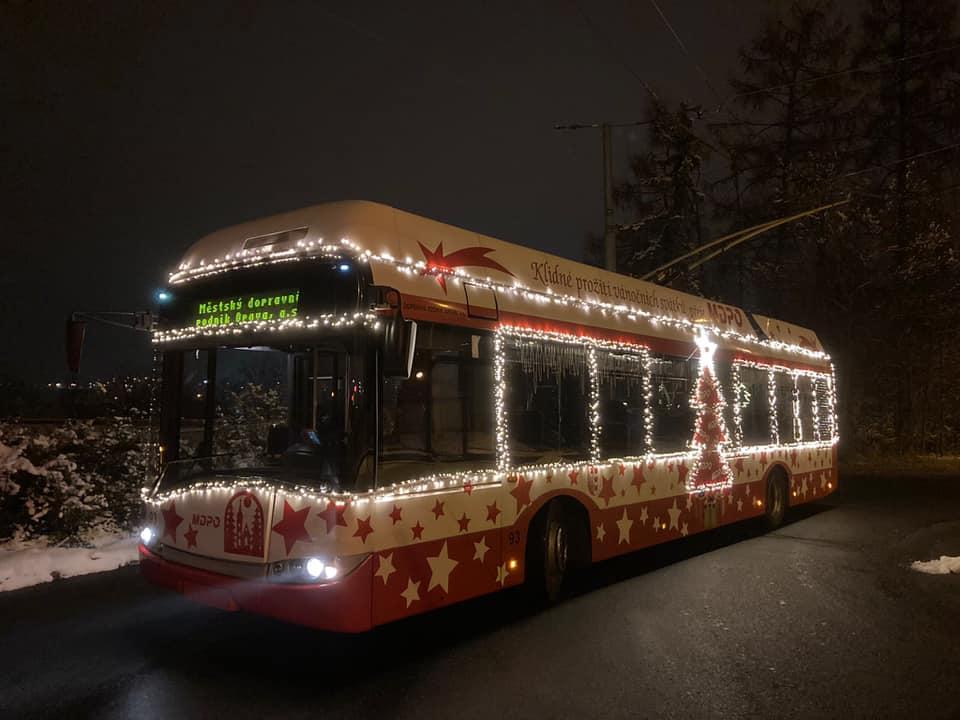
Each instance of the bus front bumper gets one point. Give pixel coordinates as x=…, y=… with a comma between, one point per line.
x=342, y=606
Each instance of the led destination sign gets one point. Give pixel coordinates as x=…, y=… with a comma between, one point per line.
x=246, y=308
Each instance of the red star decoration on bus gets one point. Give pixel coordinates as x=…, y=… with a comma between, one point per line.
x=573, y=476
x=623, y=469
x=190, y=535
x=651, y=465
x=638, y=478
x=293, y=526
x=396, y=513
x=468, y=487
x=437, y=510
x=440, y=264
x=738, y=465
x=171, y=521
x=683, y=470
x=522, y=492
x=363, y=529
x=607, y=491
x=793, y=457
x=464, y=523
x=333, y=515
x=492, y=512
x=763, y=459
x=417, y=531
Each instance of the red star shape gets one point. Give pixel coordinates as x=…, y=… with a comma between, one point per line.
x=638, y=478
x=651, y=465
x=492, y=512
x=464, y=523
x=171, y=521
x=468, y=487
x=435, y=264
x=190, y=535
x=549, y=476
x=653, y=489
x=417, y=531
x=763, y=458
x=573, y=476
x=293, y=526
x=606, y=491
x=670, y=466
x=522, y=492
x=739, y=465
x=333, y=515
x=683, y=470
x=395, y=514
x=363, y=529
x=437, y=510
x=623, y=468
x=793, y=457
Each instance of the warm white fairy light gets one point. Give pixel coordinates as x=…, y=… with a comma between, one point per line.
x=772, y=406
x=797, y=425
x=815, y=408
x=305, y=322
x=707, y=349
x=738, y=389
x=316, y=249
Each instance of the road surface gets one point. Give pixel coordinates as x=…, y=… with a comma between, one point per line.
x=822, y=618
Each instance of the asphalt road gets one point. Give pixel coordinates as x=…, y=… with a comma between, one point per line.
x=822, y=618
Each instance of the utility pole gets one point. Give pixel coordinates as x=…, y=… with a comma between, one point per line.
x=609, y=229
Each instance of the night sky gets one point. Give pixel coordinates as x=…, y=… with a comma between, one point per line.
x=131, y=129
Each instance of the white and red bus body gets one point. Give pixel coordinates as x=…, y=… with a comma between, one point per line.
x=406, y=547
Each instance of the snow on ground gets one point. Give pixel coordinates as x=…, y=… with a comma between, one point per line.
x=944, y=566
x=33, y=562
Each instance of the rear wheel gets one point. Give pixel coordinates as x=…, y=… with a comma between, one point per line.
x=776, y=507
x=549, y=554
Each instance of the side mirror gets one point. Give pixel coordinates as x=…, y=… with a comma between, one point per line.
x=76, y=330
x=399, y=344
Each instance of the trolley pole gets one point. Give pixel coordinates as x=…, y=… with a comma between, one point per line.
x=609, y=228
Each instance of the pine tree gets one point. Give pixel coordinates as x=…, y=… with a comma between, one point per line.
x=664, y=195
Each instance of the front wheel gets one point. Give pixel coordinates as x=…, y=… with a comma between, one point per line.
x=776, y=501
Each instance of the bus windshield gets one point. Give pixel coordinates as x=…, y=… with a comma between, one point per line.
x=296, y=414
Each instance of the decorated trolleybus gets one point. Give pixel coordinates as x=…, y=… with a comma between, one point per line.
x=364, y=414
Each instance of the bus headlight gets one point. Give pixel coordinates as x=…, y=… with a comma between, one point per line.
x=315, y=568
x=147, y=536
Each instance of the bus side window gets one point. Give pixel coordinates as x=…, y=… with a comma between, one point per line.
x=673, y=379
x=785, y=417
x=622, y=404
x=754, y=395
x=805, y=386
x=824, y=415
x=547, y=386
x=440, y=419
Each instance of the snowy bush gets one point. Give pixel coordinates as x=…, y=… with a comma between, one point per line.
x=70, y=479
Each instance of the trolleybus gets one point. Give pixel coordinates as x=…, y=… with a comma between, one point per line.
x=364, y=415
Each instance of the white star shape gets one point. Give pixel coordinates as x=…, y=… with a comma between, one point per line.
x=601, y=532
x=739, y=504
x=440, y=568
x=804, y=488
x=674, y=513
x=689, y=501
x=623, y=525
x=656, y=524
x=823, y=481
x=643, y=515
x=480, y=549
x=386, y=568
x=412, y=592
x=502, y=573
x=684, y=530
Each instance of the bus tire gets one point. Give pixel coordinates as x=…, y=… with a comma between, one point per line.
x=550, y=554
x=777, y=500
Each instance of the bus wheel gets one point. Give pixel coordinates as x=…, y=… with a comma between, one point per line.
x=776, y=506
x=549, y=554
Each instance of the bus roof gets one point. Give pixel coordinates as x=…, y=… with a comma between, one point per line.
x=418, y=256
